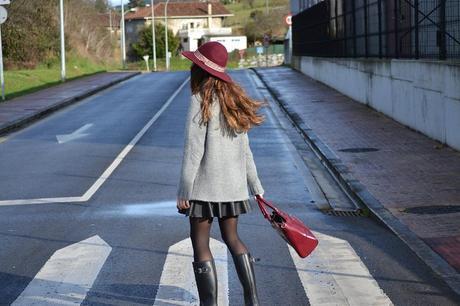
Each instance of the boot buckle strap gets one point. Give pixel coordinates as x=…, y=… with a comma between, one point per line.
x=203, y=269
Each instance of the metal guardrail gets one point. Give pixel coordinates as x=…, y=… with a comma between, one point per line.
x=379, y=28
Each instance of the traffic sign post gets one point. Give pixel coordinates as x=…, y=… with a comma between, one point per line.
x=288, y=20
x=266, y=45
x=146, y=59
x=3, y=17
x=241, y=53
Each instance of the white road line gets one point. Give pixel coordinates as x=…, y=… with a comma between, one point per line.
x=106, y=174
x=68, y=275
x=335, y=275
x=177, y=283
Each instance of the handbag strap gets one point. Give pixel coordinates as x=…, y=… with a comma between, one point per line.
x=262, y=202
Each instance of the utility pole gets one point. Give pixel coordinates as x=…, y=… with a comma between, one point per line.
x=3, y=17
x=166, y=35
x=61, y=13
x=1, y=64
x=154, y=44
x=122, y=40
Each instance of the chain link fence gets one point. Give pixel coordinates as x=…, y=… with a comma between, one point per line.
x=379, y=28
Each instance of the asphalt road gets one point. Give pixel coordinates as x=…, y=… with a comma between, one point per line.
x=88, y=216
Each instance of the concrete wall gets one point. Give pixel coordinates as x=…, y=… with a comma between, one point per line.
x=424, y=95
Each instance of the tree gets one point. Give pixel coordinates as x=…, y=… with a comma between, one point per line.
x=250, y=3
x=260, y=23
x=101, y=6
x=31, y=33
x=144, y=44
x=136, y=3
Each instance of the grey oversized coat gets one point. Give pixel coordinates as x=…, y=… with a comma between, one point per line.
x=217, y=165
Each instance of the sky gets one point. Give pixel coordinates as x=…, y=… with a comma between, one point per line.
x=118, y=2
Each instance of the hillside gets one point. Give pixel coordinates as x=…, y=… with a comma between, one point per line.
x=251, y=19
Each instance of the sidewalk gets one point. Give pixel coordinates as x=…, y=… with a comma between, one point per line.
x=22, y=110
x=409, y=181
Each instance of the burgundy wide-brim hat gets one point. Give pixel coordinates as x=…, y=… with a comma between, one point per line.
x=212, y=57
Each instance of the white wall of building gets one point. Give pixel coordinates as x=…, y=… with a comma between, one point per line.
x=424, y=95
x=231, y=42
x=190, y=37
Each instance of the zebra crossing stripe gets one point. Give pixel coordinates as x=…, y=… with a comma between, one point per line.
x=335, y=275
x=68, y=275
x=177, y=282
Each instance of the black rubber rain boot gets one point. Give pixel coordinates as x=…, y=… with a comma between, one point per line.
x=245, y=270
x=206, y=281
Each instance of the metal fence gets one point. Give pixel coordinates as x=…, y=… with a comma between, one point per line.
x=379, y=28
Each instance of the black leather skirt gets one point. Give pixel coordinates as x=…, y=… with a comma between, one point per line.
x=216, y=209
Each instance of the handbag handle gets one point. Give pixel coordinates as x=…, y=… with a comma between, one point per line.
x=262, y=201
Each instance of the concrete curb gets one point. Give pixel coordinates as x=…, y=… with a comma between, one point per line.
x=21, y=122
x=359, y=193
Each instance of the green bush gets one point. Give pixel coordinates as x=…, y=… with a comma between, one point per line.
x=30, y=34
x=144, y=44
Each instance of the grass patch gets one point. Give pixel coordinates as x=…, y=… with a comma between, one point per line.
x=176, y=64
x=24, y=81
x=242, y=11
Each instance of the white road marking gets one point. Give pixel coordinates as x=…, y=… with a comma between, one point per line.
x=335, y=275
x=177, y=283
x=74, y=135
x=106, y=174
x=68, y=275
x=163, y=208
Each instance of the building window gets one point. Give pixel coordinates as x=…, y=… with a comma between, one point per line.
x=185, y=40
x=192, y=25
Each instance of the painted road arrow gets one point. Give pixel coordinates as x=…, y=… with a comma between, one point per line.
x=68, y=275
x=75, y=135
x=177, y=283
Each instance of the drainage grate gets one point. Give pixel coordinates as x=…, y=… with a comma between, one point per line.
x=358, y=150
x=344, y=213
x=433, y=210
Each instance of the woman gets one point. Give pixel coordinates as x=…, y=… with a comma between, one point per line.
x=217, y=168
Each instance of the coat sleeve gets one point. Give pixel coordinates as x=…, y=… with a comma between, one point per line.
x=194, y=143
x=255, y=187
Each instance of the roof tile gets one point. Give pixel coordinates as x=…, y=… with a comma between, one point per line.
x=178, y=9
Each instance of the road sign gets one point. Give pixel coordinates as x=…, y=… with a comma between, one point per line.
x=288, y=19
x=259, y=50
x=3, y=14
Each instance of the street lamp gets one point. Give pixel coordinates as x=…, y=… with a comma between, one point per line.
x=166, y=35
x=61, y=17
x=154, y=45
x=122, y=40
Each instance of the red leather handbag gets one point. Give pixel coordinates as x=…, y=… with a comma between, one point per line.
x=290, y=228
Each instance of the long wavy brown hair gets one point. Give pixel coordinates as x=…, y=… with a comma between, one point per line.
x=239, y=110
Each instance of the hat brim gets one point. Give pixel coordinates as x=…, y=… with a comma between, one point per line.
x=221, y=75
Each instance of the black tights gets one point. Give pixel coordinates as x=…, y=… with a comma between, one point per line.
x=199, y=234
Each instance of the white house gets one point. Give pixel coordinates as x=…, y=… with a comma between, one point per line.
x=194, y=22
x=230, y=42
